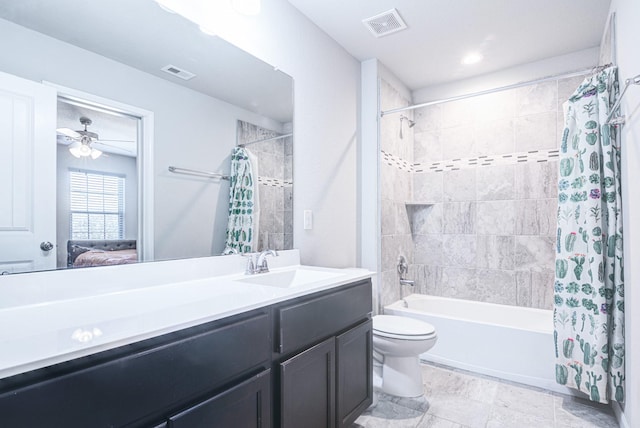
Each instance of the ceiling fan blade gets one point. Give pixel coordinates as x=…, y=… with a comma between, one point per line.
x=114, y=141
x=63, y=139
x=68, y=132
x=115, y=146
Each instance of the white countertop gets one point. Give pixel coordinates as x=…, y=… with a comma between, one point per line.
x=44, y=332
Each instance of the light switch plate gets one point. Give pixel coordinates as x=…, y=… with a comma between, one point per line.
x=308, y=219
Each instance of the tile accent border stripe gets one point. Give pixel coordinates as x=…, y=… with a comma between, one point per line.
x=548, y=155
x=274, y=182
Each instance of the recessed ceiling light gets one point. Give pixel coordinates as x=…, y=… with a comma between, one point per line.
x=472, y=58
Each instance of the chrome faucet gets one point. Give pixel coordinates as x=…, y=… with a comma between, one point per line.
x=261, y=261
x=260, y=265
x=403, y=268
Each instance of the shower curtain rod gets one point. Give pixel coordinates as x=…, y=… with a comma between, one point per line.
x=205, y=174
x=266, y=139
x=621, y=119
x=490, y=91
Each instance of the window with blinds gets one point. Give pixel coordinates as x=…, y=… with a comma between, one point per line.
x=97, y=205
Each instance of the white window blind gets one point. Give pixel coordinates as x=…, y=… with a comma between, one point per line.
x=97, y=205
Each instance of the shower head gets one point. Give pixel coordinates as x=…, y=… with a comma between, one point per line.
x=411, y=122
x=402, y=119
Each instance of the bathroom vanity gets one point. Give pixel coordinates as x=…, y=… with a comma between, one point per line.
x=298, y=354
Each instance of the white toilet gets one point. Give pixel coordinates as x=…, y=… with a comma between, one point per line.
x=397, y=343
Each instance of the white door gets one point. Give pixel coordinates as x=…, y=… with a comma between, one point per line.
x=27, y=175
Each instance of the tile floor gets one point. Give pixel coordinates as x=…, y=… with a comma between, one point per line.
x=460, y=399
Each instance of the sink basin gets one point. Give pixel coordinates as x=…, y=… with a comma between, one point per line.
x=290, y=278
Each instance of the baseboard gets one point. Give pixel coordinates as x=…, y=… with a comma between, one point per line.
x=620, y=416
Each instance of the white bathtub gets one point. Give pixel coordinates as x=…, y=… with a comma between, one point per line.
x=508, y=342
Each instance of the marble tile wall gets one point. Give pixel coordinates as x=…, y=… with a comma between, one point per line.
x=275, y=194
x=483, y=233
x=396, y=188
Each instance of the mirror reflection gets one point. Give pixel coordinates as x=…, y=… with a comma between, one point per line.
x=108, y=112
x=96, y=186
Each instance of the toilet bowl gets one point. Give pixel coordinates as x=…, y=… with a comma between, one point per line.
x=397, y=343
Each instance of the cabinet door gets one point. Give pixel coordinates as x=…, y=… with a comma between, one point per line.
x=354, y=373
x=307, y=388
x=247, y=405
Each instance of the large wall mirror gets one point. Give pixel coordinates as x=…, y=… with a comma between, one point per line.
x=102, y=98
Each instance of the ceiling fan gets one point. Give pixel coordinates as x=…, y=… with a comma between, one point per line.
x=83, y=141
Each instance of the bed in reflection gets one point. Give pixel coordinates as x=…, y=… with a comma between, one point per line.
x=85, y=253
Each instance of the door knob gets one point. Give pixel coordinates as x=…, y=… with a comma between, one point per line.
x=46, y=246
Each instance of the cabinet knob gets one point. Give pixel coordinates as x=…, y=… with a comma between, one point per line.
x=46, y=246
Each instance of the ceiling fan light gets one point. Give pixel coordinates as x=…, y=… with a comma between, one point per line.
x=95, y=153
x=74, y=149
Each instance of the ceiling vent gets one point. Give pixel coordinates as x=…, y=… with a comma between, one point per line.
x=385, y=23
x=178, y=72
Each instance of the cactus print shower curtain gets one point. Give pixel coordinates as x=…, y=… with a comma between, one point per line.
x=589, y=297
x=242, y=227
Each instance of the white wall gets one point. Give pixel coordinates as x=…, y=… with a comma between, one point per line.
x=326, y=80
x=575, y=61
x=628, y=55
x=113, y=164
x=368, y=187
x=192, y=130
x=369, y=175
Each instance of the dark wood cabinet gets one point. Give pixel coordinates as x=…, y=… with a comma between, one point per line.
x=330, y=383
x=305, y=362
x=307, y=390
x=310, y=320
x=136, y=384
x=354, y=386
x=247, y=405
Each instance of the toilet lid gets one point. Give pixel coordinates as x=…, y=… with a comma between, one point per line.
x=395, y=326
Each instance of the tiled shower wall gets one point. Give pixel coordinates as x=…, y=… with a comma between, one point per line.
x=484, y=170
x=275, y=177
x=396, y=188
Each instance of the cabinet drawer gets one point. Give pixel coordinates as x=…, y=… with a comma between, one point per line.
x=312, y=320
x=138, y=386
x=247, y=405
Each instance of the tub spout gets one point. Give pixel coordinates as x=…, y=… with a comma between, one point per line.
x=407, y=282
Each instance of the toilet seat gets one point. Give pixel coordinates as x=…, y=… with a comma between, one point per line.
x=404, y=328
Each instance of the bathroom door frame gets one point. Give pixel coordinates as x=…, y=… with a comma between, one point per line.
x=144, y=159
